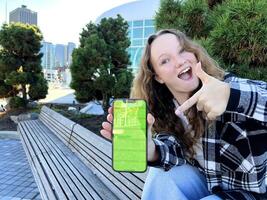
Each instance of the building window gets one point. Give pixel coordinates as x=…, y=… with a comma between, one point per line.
x=138, y=23
x=149, y=31
x=138, y=33
x=149, y=22
x=137, y=42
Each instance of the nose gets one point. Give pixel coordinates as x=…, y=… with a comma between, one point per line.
x=180, y=61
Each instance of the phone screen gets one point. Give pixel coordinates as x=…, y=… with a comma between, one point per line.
x=129, y=135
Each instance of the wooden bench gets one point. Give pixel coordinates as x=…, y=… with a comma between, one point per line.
x=70, y=162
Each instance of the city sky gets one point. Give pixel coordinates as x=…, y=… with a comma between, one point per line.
x=61, y=21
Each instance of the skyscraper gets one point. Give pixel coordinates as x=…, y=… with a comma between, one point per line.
x=70, y=49
x=48, y=59
x=60, y=55
x=23, y=15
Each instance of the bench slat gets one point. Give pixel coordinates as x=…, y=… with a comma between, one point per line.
x=36, y=167
x=71, y=162
x=105, y=161
x=119, y=184
x=98, y=160
x=46, y=140
x=114, y=184
x=103, y=149
x=102, y=143
x=58, y=117
x=71, y=167
x=41, y=159
x=59, y=129
x=54, y=162
x=103, y=146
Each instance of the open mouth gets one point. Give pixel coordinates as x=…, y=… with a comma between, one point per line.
x=186, y=74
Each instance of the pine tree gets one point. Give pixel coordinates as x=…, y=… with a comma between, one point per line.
x=20, y=62
x=100, y=63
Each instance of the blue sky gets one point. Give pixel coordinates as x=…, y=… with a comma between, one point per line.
x=61, y=21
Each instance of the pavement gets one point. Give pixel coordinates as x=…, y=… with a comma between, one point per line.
x=16, y=179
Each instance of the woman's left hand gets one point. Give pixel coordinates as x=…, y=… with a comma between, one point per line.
x=212, y=98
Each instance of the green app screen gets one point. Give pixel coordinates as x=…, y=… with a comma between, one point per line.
x=129, y=135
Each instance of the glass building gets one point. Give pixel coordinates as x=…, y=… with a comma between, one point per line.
x=139, y=15
x=48, y=50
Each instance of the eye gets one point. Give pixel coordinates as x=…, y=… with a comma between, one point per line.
x=182, y=50
x=164, y=61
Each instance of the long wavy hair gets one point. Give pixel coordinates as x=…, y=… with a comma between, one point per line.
x=160, y=99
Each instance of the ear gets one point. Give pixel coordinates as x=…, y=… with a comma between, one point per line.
x=157, y=78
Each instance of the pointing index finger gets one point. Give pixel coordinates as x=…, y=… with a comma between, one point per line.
x=188, y=103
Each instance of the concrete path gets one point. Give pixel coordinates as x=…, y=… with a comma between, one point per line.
x=16, y=179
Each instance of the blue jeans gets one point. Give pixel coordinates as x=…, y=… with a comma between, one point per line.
x=179, y=183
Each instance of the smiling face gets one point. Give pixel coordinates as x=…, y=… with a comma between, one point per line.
x=173, y=66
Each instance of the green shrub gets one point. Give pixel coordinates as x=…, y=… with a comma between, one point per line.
x=259, y=73
x=170, y=15
x=17, y=102
x=187, y=16
x=206, y=44
x=83, y=116
x=239, y=34
x=195, y=13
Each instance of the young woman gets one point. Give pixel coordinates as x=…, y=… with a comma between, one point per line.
x=209, y=127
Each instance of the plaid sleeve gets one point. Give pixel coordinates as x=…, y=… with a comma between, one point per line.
x=169, y=151
x=248, y=97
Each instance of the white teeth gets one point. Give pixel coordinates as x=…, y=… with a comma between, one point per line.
x=184, y=71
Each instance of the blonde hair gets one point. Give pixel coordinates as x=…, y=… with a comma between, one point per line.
x=160, y=99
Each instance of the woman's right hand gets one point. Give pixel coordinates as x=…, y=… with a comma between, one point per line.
x=106, y=132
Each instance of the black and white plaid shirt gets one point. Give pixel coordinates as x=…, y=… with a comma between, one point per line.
x=234, y=146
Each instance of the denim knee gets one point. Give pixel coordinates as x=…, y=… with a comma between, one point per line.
x=180, y=182
x=159, y=185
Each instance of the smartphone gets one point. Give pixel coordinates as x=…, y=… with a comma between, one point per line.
x=129, y=138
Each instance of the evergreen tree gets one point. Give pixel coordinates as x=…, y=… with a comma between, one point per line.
x=20, y=62
x=187, y=16
x=214, y=3
x=100, y=63
x=170, y=15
